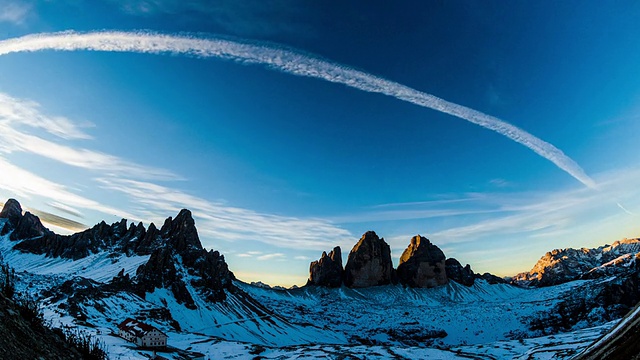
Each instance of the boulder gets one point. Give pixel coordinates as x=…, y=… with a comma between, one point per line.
x=328, y=270
x=422, y=264
x=369, y=263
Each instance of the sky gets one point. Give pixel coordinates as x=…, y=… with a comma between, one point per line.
x=499, y=131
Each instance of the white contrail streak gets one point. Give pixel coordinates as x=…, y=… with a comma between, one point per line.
x=287, y=61
x=624, y=209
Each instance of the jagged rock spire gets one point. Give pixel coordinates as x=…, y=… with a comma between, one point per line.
x=327, y=271
x=369, y=262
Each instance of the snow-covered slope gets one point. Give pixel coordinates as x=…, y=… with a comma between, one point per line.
x=446, y=316
x=168, y=280
x=100, y=267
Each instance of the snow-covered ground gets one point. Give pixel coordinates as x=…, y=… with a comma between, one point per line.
x=100, y=267
x=393, y=314
x=449, y=322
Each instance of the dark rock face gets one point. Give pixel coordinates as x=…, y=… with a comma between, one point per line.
x=177, y=258
x=12, y=211
x=491, y=279
x=605, y=301
x=560, y=266
x=369, y=263
x=459, y=274
x=182, y=231
x=21, y=339
x=134, y=240
x=328, y=270
x=30, y=227
x=422, y=264
x=27, y=226
x=207, y=270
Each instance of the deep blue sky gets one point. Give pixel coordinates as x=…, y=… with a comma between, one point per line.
x=277, y=168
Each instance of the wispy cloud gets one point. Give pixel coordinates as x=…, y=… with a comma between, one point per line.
x=27, y=185
x=66, y=209
x=19, y=117
x=554, y=213
x=562, y=218
x=273, y=256
x=21, y=112
x=49, y=219
x=501, y=183
x=291, y=62
x=14, y=12
x=222, y=222
x=152, y=201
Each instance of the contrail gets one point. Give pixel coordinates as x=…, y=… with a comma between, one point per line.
x=288, y=61
x=624, y=209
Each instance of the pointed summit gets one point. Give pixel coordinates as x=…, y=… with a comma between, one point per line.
x=12, y=211
x=181, y=232
x=328, y=270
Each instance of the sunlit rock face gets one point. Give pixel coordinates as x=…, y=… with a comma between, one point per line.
x=327, y=271
x=422, y=264
x=369, y=263
x=560, y=266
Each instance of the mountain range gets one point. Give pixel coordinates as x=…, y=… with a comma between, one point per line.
x=429, y=306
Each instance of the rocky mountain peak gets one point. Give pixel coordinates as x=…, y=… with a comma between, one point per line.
x=181, y=232
x=563, y=265
x=27, y=226
x=176, y=248
x=327, y=271
x=369, y=262
x=422, y=264
x=459, y=274
x=12, y=211
x=177, y=260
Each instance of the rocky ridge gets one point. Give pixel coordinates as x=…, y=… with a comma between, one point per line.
x=563, y=265
x=422, y=265
x=176, y=256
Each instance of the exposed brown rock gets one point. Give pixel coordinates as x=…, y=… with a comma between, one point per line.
x=369, y=263
x=459, y=274
x=328, y=270
x=422, y=264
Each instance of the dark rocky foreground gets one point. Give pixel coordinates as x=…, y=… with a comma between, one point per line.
x=21, y=339
x=620, y=343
